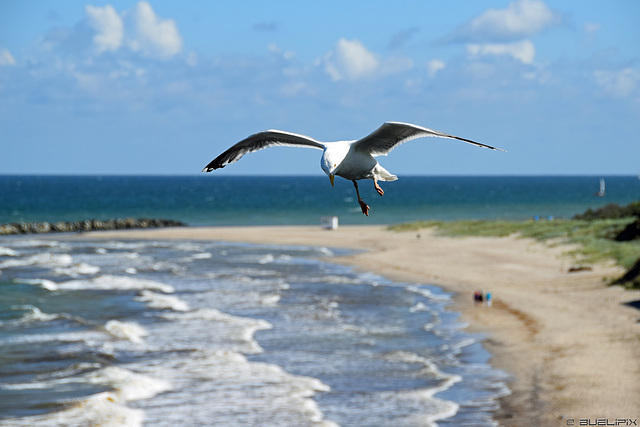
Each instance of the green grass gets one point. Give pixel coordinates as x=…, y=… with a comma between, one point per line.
x=594, y=238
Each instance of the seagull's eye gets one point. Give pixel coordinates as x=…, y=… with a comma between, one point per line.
x=335, y=164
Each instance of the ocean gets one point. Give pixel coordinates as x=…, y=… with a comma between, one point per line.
x=104, y=331
x=209, y=199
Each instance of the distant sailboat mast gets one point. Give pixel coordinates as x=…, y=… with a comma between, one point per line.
x=601, y=192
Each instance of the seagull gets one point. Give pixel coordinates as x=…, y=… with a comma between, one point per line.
x=352, y=160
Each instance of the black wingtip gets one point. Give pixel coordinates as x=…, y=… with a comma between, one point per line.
x=497, y=149
x=213, y=165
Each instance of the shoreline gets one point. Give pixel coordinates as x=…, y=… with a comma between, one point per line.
x=569, y=342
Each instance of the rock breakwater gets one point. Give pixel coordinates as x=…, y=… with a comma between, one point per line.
x=86, y=225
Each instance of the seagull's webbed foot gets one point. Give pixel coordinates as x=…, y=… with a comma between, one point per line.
x=378, y=188
x=364, y=207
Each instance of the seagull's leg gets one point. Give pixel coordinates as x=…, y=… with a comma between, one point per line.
x=363, y=205
x=378, y=188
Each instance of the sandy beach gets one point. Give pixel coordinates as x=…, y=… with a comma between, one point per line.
x=569, y=341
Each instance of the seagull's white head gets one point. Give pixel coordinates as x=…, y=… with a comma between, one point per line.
x=334, y=153
x=328, y=167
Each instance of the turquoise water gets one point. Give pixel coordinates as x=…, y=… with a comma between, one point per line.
x=221, y=200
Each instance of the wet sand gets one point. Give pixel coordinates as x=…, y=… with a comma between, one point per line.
x=570, y=342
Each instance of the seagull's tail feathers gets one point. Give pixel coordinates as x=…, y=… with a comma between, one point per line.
x=381, y=174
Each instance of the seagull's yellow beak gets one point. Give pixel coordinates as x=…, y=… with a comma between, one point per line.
x=331, y=178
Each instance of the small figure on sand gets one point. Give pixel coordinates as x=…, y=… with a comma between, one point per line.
x=477, y=297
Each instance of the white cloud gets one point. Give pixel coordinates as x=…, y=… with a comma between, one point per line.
x=524, y=51
x=139, y=30
x=108, y=26
x=292, y=89
x=521, y=19
x=193, y=59
x=350, y=60
x=434, y=66
x=590, y=27
x=6, y=58
x=284, y=54
x=620, y=83
x=395, y=64
x=152, y=36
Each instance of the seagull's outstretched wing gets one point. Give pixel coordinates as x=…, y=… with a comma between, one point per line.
x=391, y=134
x=259, y=141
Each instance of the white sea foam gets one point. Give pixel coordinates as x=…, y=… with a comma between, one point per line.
x=119, y=245
x=128, y=385
x=196, y=256
x=409, y=406
x=46, y=284
x=100, y=409
x=85, y=337
x=430, y=367
x=229, y=388
x=336, y=279
x=57, y=378
x=300, y=389
x=36, y=243
x=457, y=347
x=325, y=251
x=187, y=247
x=162, y=301
x=329, y=309
x=106, y=282
x=224, y=330
x=4, y=251
x=244, y=272
x=419, y=403
x=126, y=331
x=428, y=293
x=271, y=283
x=77, y=270
x=250, y=325
x=202, y=255
x=419, y=306
x=105, y=408
x=49, y=260
x=33, y=315
x=266, y=259
x=270, y=300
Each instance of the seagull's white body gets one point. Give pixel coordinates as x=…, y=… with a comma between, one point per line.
x=342, y=159
x=352, y=160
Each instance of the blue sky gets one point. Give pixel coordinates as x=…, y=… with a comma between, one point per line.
x=162, y=87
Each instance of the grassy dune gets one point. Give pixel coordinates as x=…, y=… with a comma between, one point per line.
x=594, y=239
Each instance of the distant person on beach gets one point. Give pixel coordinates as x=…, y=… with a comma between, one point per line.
x=477, y=297
x=488, y=298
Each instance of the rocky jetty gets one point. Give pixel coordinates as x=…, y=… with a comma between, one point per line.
x=86, y=225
